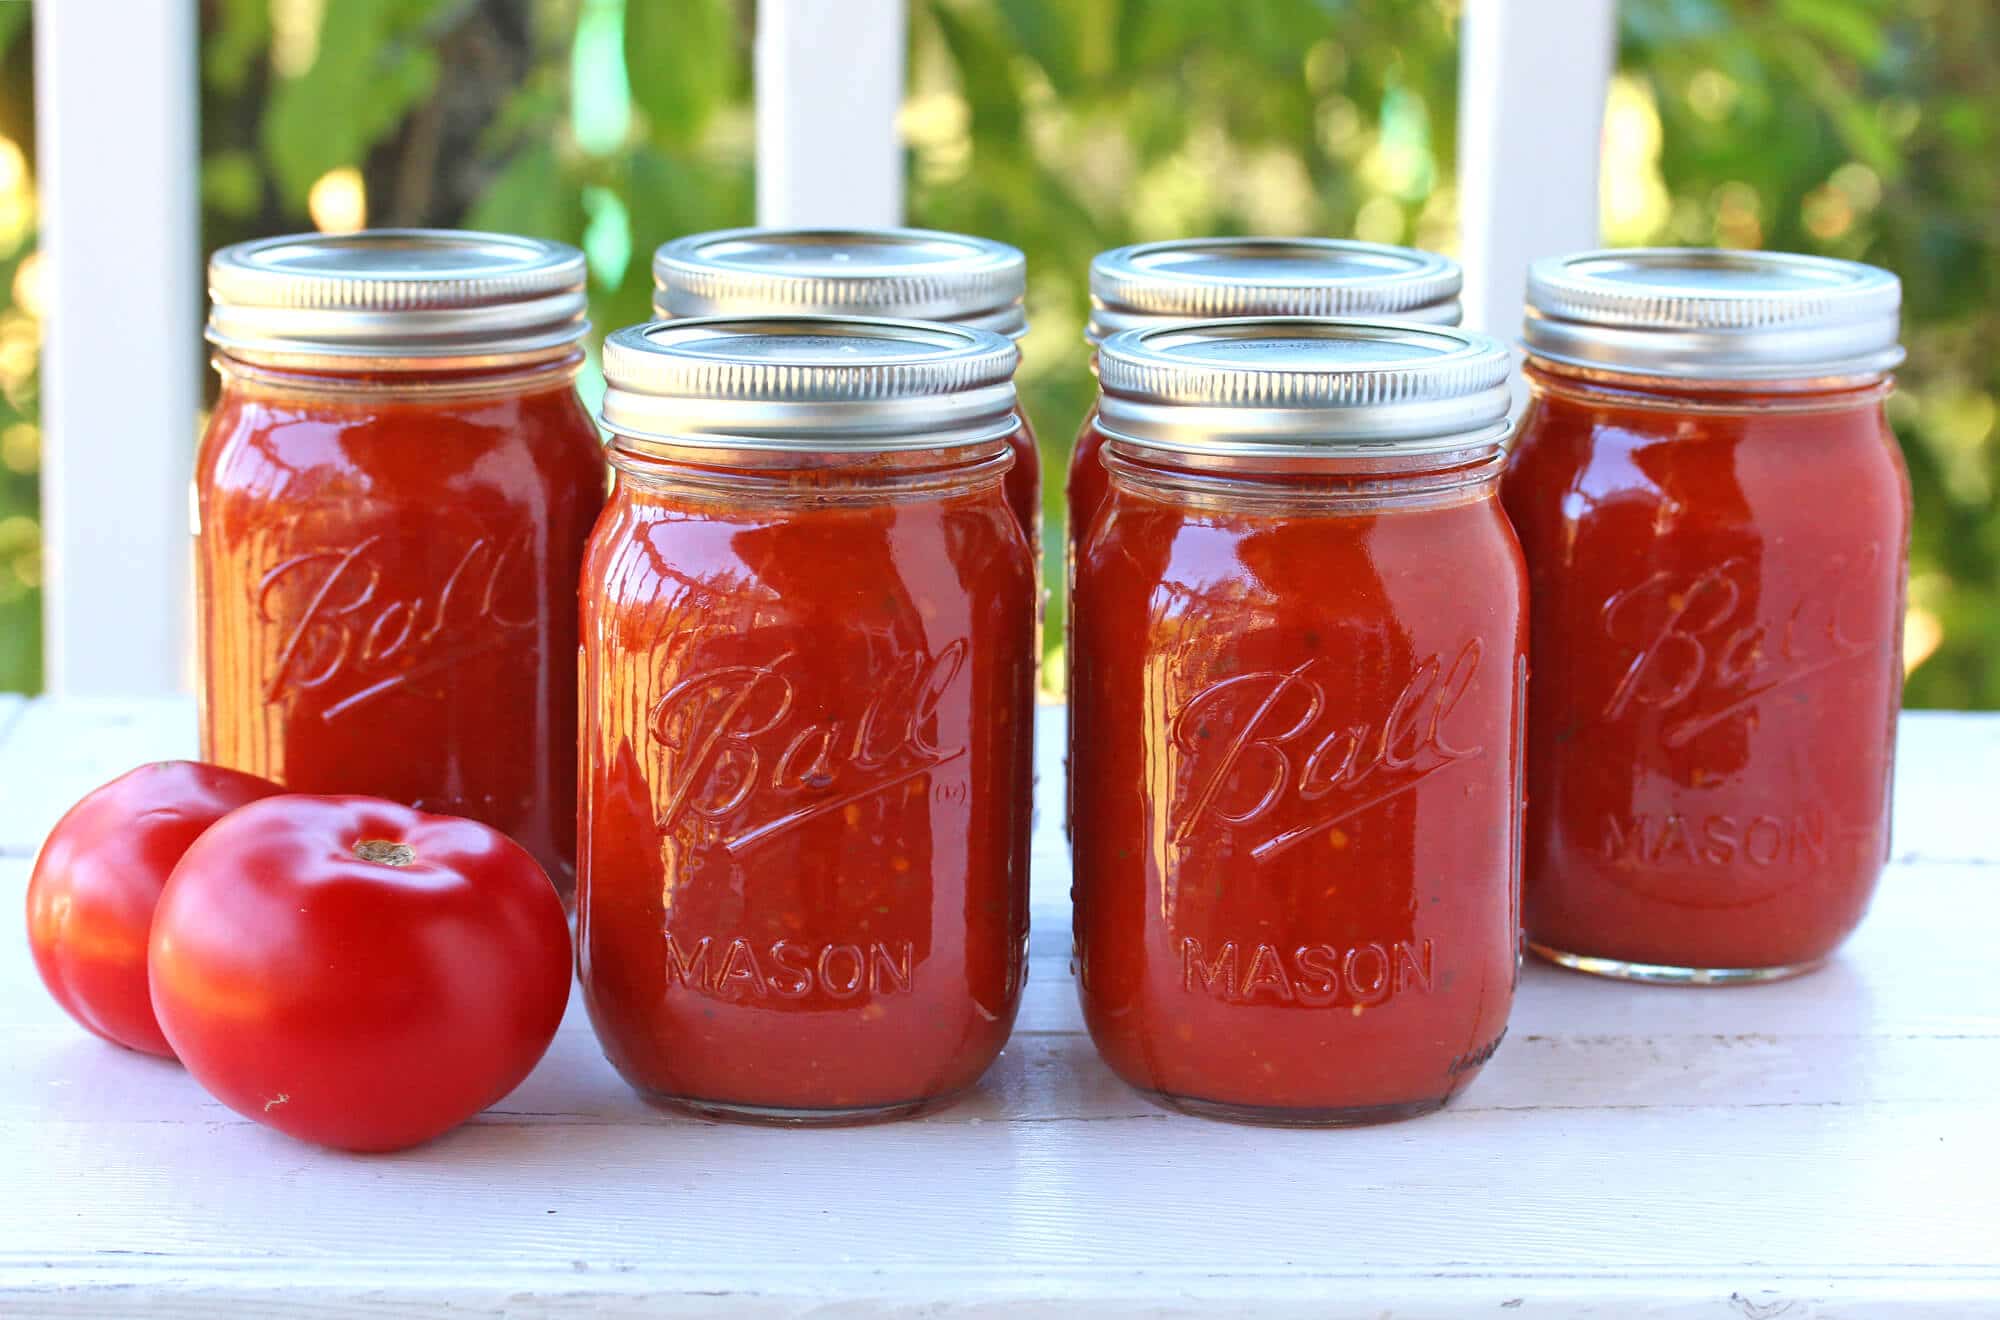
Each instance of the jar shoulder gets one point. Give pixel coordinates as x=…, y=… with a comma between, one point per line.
x=854, y=560
x=1310, y=551
x=1564, y=448
x=269, y=447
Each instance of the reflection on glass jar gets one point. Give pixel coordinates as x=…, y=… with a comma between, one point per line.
x=1296, y=694
x=807, y=696
x=1716, y=521
x=392, y=500
x=1151, y=285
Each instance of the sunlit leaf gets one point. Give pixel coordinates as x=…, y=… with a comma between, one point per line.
x=232, y=183
x=13, y=22
x=532, y=196
x=683, y=61
x=236, y=40
x=1851, y=27
x=670, y=196
x=374, y=62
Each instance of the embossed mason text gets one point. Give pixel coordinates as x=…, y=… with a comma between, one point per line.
x=1714, y=840
x=789, y=969
x=1315, y=974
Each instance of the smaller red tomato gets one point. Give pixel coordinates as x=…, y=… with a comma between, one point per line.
x=357, y=973
x=97, y=877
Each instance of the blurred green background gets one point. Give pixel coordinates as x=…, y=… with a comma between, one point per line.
x=1856, y=128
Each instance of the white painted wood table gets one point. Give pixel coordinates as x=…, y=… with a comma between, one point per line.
x=1824, y=1147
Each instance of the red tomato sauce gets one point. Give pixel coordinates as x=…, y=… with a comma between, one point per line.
x=808, y=720
x=1718, y=586
x=1023, y=483
x=1294, y=794
x=1197, y=279
x=387, y=571
x=1088, y=482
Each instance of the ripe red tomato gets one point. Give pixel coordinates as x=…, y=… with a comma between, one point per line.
x=97, y=877
x=357, y=973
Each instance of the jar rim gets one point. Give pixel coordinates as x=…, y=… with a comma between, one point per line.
x=1725, y=395
x=1713, y=314
x=349, y=378
x=1282, y=482
x=1149, y=285
x=904, y=274
x=396, y=300
x=809, y=383
x=1303, y=386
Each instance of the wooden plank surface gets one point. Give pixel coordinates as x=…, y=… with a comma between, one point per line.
x=1822, y=1147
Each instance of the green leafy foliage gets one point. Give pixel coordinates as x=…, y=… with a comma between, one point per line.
x=1091, y=123
x=530, y=196
x=678, y=57
x=1866, y=129
x=373, y=63
x=20, y=533
x=1857, y=128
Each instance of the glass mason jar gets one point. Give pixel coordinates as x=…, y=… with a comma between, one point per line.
x=1205, y=279
x=1296, y=703
x=391, y=504
x=908, y=274
x=807, y=705
x=1716, y=520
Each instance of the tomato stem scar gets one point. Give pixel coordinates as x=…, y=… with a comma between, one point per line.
x=385, y=852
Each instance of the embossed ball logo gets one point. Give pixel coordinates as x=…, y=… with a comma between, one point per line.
x=743, y=759
x=350, y=635
x=1703, y=659
x=1271, y=753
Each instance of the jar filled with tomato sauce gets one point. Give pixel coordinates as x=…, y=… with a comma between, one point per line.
x=807, y=704
x=391, y=504
x=1716, y=519
x=905, y=274
x=1296, y=702
x=1201, y=279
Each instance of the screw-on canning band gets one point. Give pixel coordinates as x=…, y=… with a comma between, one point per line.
x=396, y=299
x=1714, y=315
x=1299, y=387
x=809, y=384
x=1207, y=279
x=900, y=274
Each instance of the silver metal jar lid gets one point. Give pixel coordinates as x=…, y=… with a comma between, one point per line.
x=1202, y=279
x=905, y=274
x=396, y=299
x=1710, y=314
x=1285, y=386
x=809, y=384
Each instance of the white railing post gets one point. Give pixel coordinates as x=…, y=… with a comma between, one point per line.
x=1532, y=81
x=116, y=158
x=829, y=84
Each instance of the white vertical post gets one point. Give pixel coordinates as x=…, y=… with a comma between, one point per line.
x=1532, y=81
x=116, y=158
x=829, y=84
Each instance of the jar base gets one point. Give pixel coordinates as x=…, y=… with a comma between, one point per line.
x=1280, y=1116
x=730, y=1111
x=1619, y=969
